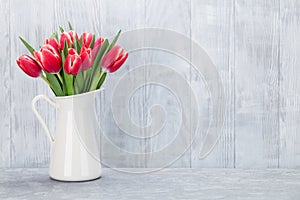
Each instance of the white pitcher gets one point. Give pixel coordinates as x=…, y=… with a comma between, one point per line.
x=74, y=149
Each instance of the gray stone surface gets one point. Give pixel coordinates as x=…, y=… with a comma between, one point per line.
x=165, y=184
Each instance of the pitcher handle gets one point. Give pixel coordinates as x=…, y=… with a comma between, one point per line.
x=37, y=114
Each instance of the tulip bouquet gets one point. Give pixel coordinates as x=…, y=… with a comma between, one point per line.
x=70, y=64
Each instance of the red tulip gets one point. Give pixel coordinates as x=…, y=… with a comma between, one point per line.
x=65, y=36
x=97, y=45
x=72, y=33
x=29, y=66
x=86, y=39
x=49, y=59
x=114, y=59
x=73, y=63
x=72, y=51
x=98, y=42
x=86, y=58
x=53, y=42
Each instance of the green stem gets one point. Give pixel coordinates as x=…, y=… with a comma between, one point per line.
x=45, y=79
x=60, y=78
x=102, y=72
x=95, y=84
x=84, y=75
x=101, y=80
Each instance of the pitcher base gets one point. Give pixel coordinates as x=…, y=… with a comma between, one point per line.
x=75, y=181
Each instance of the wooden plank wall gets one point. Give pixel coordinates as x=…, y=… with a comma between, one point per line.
x=5, y=123
x=255, y=46
x=256, y=83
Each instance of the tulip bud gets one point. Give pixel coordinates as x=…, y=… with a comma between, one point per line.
x=53, y=42
x=72, y=33
x=97, y=45
x=29, y=66
x=72, y=51
x=49, y=59
x=98, y=42
x=114, y=59
x=86, y=39
x=86, y=58
x=73, y=63
x=65, y=37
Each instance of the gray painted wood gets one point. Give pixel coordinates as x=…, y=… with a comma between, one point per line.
x=166, y=184
x=83, y=15
x=29, y=146
x=256, y=36
x=254, y=45
x=212, y=28
x=289, y=85
x=118, y=147
x=5, y=86
x=174, y=16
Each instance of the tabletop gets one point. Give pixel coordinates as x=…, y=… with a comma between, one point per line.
x=170, y=183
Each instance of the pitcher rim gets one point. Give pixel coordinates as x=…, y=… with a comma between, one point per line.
x=79, y=95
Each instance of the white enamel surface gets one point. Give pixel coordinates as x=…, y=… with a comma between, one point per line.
x=74, y=150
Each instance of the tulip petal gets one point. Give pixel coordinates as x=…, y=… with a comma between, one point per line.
x=29, y=66
x=87, y=39
x=72, y=51
x=50, y=61
x=118, y=63
x=86, y=58
x=65, y=37
x=112, y=56
x=72, y=64
x=53, y=42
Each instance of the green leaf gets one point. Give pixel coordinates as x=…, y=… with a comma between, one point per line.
x=54, y=84
x=65, y=51
x=114, y=41
x=68, y=79
x=63, y=85
x=31, y=50
x=79, y=83
x=86, y=73
x=61, y=29
x=54, y=35
x=69, y=83
x=102, y=79
x=63, y=58
x=76, y=45
x=62, y=72
x=92, y=42
x=70, y=26
x=92, y=80
x=101, y=53
x=80, y=42
x=60, y=78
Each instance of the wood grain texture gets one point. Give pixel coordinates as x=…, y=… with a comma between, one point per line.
x=254, y=45
x=5, y=126
x=83, y=15
x=29, y=145
x=212, y=29
x=172, y=16
x=170, y=184
x=256, y=36
x=289, y=84
x=119, y=148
